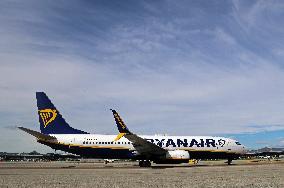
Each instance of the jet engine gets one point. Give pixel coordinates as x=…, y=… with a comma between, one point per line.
x=177, y=154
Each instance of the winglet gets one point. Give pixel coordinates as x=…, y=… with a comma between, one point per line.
x=120, y=125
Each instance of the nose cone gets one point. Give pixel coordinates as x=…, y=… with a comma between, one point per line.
x=244, y=149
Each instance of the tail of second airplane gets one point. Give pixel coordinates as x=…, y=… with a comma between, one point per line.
x=50, y=119
x=123, y=130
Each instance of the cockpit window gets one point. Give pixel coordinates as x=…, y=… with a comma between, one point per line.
x=238, y=143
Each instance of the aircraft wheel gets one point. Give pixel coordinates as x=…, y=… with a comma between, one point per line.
x=229, y=161
x=145, y=163
x=141, y=163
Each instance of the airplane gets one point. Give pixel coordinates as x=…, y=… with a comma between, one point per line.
x=56, y=133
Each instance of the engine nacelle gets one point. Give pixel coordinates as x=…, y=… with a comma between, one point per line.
x=177, y=154
x=135, y=153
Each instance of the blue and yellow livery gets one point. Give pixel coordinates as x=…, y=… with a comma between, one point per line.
x=56, y=133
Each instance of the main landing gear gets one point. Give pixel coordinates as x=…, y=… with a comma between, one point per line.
x=229, y=161
x=145, y=163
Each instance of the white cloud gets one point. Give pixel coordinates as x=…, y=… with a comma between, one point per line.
x=162, y=76
x=225, y=37
x=281, y=143
x=278, y=52
x=193, y=96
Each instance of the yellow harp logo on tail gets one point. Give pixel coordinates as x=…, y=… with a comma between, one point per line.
x=47, y=116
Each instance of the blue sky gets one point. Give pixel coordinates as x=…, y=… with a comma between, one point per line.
x=182, y=68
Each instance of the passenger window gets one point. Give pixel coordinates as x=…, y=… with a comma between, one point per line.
x=118, y=142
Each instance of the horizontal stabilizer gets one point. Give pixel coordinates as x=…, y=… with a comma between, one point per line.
x=38, y=135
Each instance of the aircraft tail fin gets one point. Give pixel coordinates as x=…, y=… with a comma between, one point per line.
x=50, y=119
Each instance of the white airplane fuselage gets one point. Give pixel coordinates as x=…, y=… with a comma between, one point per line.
x=104, y=146
x=56, y=133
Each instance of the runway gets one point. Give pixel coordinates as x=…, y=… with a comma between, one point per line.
x=128, y=174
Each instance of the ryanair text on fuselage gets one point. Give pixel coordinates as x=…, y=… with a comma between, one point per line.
x=187, y=143
x=58, y=134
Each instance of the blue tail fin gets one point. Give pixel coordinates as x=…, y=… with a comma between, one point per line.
x=51, y=121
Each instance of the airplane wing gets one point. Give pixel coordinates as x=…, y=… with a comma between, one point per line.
x=38, y=135
x=143, y=146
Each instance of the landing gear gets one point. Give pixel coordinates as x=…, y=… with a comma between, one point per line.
x=229, y=161
x=145, y=163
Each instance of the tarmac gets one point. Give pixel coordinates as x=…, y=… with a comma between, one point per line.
x=243, y=173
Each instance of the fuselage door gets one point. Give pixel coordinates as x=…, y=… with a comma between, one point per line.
x=72, y=142
x=229, y=145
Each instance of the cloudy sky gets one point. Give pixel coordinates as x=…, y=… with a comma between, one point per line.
x=181, y=68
